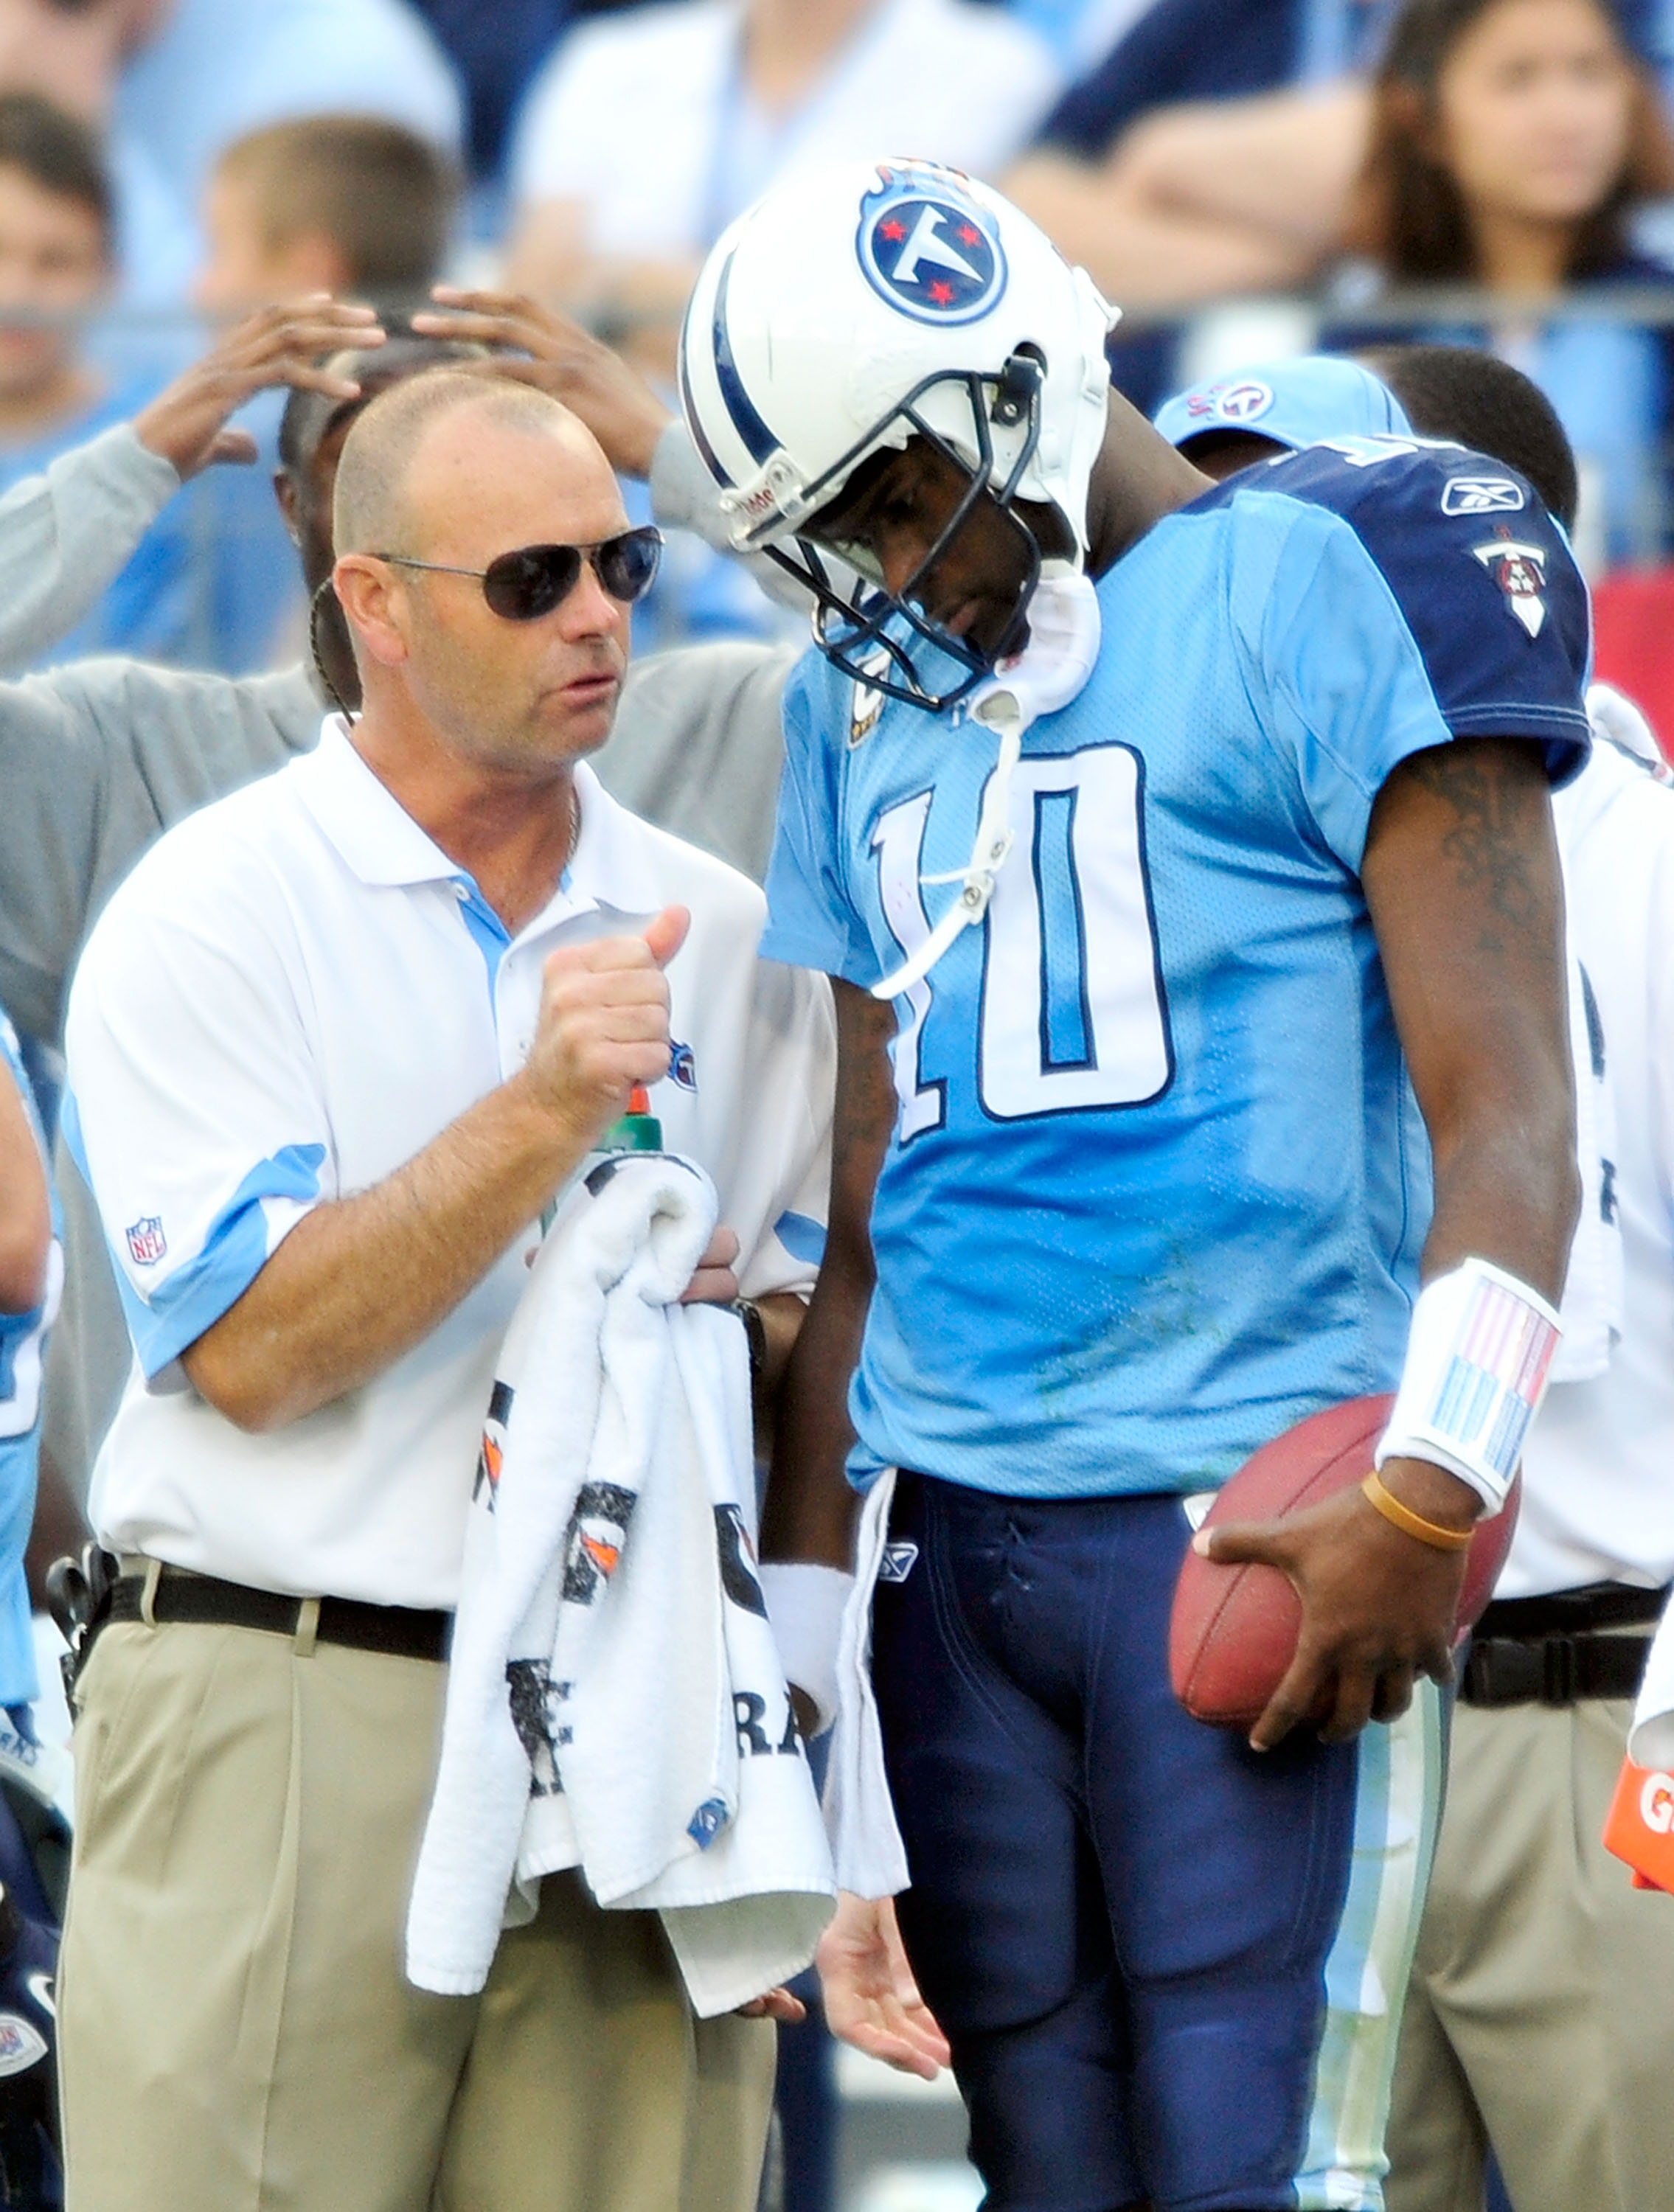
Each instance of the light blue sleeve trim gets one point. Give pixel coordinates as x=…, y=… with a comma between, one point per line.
x=803, y=1237
x=195, y=1296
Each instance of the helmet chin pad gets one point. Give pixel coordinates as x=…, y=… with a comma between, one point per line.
x=852, y=620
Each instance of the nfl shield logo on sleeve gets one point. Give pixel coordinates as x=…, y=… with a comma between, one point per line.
x=146, y=1242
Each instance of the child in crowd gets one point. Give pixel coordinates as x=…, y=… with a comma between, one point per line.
x=349, y=204
x=56, y=266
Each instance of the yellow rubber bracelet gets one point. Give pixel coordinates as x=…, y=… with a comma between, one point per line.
x=1414, y=1524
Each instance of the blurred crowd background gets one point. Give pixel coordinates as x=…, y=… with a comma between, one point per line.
x=1245, y=178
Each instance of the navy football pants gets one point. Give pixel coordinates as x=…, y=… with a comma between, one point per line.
x=1168, y=1966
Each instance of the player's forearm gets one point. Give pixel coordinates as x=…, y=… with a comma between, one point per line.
x=1508, y=1187
x=360, y=1280
x=810, y=1509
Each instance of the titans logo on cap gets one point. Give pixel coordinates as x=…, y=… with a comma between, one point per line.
x=928, y=248
x=1231, y=403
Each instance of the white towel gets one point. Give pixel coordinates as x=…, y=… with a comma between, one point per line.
x=1651, y=1739
x=615, y=1699
x=866, y=1842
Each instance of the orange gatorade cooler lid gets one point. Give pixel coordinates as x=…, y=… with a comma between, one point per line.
x=1640, y=1826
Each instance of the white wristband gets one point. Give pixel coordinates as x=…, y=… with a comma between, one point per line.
x=805, y=1605
x=1477, y=1359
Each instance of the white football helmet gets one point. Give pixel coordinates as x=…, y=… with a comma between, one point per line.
x=848, y=311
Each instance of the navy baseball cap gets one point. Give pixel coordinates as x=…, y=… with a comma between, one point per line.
x=1294, y=403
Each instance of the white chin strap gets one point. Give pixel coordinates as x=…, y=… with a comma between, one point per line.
x=1053, y=668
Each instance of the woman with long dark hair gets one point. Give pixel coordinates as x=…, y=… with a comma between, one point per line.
x=1512, y=141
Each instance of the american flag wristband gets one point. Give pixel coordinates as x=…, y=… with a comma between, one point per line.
x=1477, y=1358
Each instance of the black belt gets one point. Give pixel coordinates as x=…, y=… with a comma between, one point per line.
x=1548, y=1650
x=397, y=1630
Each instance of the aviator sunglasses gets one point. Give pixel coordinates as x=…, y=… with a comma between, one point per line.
x=523, y=585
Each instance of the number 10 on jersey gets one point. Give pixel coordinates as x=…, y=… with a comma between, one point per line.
x=1073, y=1014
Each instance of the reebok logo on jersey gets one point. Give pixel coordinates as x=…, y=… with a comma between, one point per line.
x=683, y=1066
x=1482, y=495
x=898, y=1563
x=1520, y=570
x=146, y=1242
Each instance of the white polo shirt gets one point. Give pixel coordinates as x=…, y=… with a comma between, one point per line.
x=293, y=993
x=1598, y=1467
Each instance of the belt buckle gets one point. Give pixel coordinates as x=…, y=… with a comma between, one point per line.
x=1557, y=1670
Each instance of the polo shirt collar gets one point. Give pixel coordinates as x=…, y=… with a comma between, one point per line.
x=378, y=840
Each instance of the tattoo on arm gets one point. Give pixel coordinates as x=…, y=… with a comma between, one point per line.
x=1492, y=843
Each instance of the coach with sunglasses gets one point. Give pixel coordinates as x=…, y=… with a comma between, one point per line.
x=333, y=1048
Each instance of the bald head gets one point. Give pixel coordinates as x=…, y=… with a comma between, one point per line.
x=397, y=432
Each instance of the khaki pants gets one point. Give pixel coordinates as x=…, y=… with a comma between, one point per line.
x=1540, y=2014
x=235, y=2032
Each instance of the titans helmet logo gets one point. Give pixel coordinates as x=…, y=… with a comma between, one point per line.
x=928, y=248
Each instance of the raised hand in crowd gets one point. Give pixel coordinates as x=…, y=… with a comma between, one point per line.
x=287, y=343
x=613, y=399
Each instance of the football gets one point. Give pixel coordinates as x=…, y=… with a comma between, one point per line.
x=1234, y=1629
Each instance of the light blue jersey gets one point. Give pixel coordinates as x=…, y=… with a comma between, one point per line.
x=23, y=1349
x=1158, y=1184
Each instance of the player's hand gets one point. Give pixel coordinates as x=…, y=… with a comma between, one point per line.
x=615, y=402
x=185, y=423
x=1378, y=1606
x=774, y=2004
x=603, y=1025
x=713, y=1282
x=871, y=1998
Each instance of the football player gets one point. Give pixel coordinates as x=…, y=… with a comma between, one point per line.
x=1171, y=849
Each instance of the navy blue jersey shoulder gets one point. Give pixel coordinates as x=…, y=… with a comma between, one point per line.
x=1483, y=575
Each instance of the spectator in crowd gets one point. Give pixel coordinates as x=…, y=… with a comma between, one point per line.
x=496, y=51
x=1540, y=2013
x=179, y=80
x=349, y=204
x=1512, y=142
x=716, y=101
x=1210, y=152
x=644, y=136
x=1078, y=31
x=56, y=266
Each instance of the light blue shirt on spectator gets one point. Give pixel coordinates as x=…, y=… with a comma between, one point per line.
x=214, y=580
x=220, y=67
x=150, y=611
